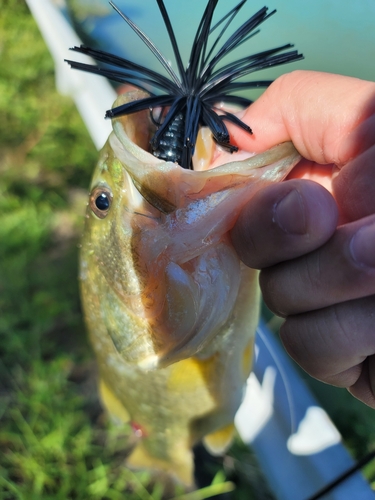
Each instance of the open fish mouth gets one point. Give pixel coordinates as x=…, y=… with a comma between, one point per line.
x=142, y=127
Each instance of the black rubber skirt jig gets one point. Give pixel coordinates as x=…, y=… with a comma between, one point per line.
x=188, y=97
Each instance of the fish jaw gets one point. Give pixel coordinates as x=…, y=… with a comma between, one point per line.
x=166, y=263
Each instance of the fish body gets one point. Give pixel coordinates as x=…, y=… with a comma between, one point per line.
x=170, y=310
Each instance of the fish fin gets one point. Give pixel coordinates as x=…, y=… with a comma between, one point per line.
x=180, y=467
x=219, y=441
x=112, y=404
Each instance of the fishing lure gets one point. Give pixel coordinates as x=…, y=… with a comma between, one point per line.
x=190, y=97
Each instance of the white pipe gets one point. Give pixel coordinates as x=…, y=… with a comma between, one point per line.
x=92, y=95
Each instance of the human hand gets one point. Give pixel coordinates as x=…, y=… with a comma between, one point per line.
x=318, y=276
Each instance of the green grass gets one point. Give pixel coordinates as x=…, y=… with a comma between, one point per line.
x=55, y=441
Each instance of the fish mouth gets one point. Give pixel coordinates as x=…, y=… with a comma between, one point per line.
x=141, y=127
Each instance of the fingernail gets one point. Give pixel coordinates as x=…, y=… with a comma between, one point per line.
x=362, y=246
x=289, y=213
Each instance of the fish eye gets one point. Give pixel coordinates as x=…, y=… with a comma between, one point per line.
x=100, y=201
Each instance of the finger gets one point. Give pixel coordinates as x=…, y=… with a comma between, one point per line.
x=343, y=269
x=332, y=344
x=284, y=221
x=329, y=118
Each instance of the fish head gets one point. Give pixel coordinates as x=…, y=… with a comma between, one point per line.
x=158, y=270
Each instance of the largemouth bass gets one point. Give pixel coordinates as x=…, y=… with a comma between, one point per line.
x=170, y=310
